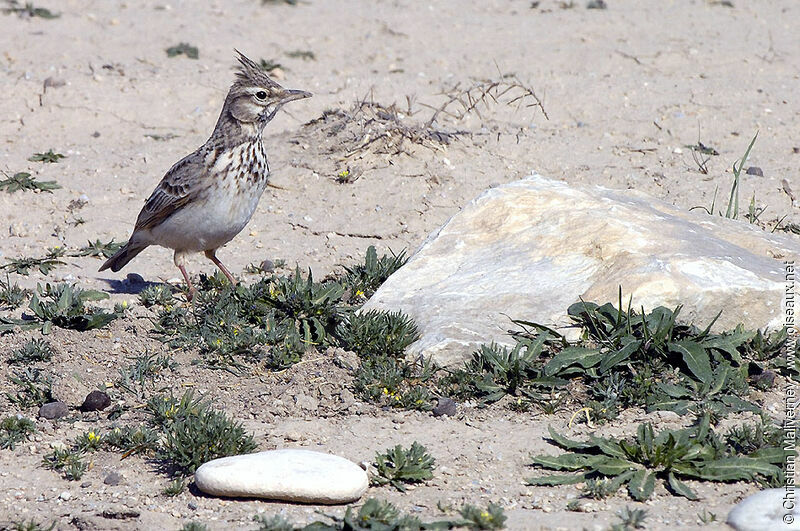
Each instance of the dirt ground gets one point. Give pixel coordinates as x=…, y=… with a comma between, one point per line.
x=623, y=92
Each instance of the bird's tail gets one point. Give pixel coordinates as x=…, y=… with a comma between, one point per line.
x=123, y=256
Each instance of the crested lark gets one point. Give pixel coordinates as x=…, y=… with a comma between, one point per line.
x=208, y=197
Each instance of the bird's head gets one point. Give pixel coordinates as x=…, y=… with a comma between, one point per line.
x=254, y=98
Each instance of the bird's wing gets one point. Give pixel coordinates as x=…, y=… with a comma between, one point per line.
x=186, y=180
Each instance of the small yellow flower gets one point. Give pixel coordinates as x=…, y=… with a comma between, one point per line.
x=93, y=437
x=359, y=293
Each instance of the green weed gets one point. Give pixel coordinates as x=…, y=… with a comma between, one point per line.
x=99, y=249
x=15, y=430
x=23, y=181
x=670, y=456
x=183, y=49
x=33, y=351
x=12, y=296
x=398, y=466
x=44, y=264
x=29, y=10
x=47, y=157
x=69, y=462
x=194, y=433
x=34, y=388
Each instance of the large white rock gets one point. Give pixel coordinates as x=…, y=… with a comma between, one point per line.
x=529, y=249
x=768, y=510
x=291, y=475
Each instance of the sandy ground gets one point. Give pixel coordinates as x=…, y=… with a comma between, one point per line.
x=625, y=90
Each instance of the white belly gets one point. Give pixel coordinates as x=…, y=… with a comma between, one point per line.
x=199, y=227
x=218, y=214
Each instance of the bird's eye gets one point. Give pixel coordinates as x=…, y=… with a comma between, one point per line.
x=261, y=95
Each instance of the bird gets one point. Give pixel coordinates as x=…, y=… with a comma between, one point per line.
x=207, y=197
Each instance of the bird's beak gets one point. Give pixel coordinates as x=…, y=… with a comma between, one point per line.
x=291, y=95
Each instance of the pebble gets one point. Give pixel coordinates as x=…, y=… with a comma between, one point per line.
x=66, y=495
x=755, y=170
x=113, y=479
x=95, y=401
x=445, y=406
x=54, y=410
x=766, y=510
x=289, y=474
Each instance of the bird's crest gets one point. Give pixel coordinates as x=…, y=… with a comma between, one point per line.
x=250, y=73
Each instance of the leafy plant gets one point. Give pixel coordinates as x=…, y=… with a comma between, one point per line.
x=64, y=305
x=377, y=515
x=183, y=49
x=12, y=296
x=45, y=264
x=175, y=487
x=23, y=181
x=631, y=519
x=156, y=295
x=33, y=351
x=312, y=307
x=88, y=442
x=144, y=367
x=48, y=157
x=68, y=462
x=395, y=383
x=377, y=333
x=14, y=430
x=35, y=388
x=31, y=525
x=398, y=465
x=494, y=371
x=29, y=10
x=363, y=280
x=194, y=433
x=670, y=456
x=131, y=439
x=99, y=249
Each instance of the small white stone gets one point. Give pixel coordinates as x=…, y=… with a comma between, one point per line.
x=289, y=474
x=66, y=495
x=768, y=509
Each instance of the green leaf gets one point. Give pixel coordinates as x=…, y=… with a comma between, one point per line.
x=681, y=407
x=585, y=357
x=612, y=466
x=695, y=357
x=615, y=358
x=568, y=461
x=642, y=484
x=608, y=446
x=737, y=468
x=680, y=488
x=567, y=444
x=558, y=479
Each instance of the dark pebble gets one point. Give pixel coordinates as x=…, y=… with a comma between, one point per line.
x=445, y=406
x=755, y=170
x=765, y=380
x=95, y=401
x=134, y=279
x=192, y=505
x=54, y=410
x=86, y=484
x=267, y=266
x=113, y=479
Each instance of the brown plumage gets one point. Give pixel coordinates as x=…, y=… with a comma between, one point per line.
x=208, y=197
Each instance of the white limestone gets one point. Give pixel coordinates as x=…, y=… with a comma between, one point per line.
x=529, y=249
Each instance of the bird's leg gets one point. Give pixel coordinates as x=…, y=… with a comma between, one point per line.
x=179, y=262
x=211, y=255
